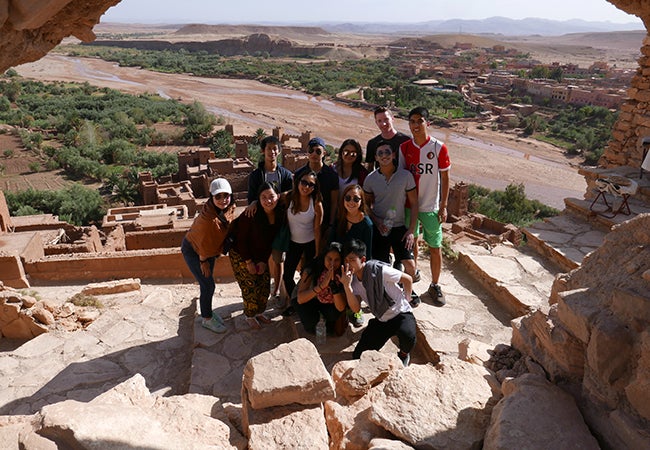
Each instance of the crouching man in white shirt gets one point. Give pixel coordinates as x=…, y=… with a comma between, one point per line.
x=378, y=284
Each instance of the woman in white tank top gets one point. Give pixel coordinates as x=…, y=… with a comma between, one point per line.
x=304, y=215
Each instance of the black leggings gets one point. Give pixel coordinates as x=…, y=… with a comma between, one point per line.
x=294, y=254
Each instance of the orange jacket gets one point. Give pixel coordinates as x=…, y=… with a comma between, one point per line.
x=208, y=232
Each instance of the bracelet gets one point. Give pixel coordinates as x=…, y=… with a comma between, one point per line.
x=320, y=289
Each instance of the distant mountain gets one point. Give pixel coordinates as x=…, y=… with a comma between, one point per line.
x=492, y=25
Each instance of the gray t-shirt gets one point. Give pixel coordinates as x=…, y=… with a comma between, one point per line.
x=389, y=193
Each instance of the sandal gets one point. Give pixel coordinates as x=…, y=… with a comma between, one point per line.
x=263, y=319
x=253, y=323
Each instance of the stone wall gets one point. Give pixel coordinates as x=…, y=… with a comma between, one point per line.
x=144, y=264
x=634, y=119
x=596, y=335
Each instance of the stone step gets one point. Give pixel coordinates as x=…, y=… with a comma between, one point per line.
x=517, y=278
x=564, y=239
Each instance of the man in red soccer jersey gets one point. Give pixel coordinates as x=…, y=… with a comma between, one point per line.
x=428, y=160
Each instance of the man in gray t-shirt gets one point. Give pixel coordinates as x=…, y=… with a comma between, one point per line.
x=386, y=191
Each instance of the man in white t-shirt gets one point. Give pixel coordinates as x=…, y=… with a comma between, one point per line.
x=378, y=284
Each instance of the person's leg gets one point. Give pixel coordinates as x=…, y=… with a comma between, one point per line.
x=416, y=237
x=206, y=284
x=405, y=331
x=290, y=264
x=373, y=337
x=399, y=250
x=275, y=268
x=332, y=316
x=262, y=289
x=246, y=282
x=433, y=237
x=309, y=314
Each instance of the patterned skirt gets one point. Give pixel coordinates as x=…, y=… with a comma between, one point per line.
x=255, y=289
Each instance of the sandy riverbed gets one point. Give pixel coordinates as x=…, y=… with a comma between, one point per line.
x=484, y=157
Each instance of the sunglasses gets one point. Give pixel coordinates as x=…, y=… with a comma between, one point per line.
x=317, y=150
x=384, y=152
x=349, y=153
x=307, y=184
x=222, y=196
x=352, y=198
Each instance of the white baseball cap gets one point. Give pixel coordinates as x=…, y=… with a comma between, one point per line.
x=220, y=185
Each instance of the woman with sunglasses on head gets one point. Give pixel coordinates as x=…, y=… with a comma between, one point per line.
x=203, y=243
x=349, y=165
x=251, y=250
x=353, y=223
x=304, y=215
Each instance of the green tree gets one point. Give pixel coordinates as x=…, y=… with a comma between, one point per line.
x=221, y=144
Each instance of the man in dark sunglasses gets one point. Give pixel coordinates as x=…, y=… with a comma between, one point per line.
x=328, y=180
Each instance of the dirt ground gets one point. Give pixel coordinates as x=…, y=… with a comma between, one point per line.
x=484, y=157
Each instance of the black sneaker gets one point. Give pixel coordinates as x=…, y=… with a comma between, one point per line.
x=436, y=295
x=415, y=300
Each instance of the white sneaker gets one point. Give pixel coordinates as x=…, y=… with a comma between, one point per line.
x=214, y=324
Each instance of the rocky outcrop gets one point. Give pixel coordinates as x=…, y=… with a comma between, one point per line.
x=127, y=416
x=596, y=338
x=537, y=414
x=29, y=29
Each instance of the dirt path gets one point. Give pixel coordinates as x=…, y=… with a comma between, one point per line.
x=478, y=156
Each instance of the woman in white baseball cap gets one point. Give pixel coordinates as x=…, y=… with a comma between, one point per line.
x=203, y=243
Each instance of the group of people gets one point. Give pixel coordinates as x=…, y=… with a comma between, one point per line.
x=340, y=224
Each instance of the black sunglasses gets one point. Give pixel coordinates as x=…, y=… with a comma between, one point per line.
x=317, y=150
x=307, y=184
x=222, y=196
x=355, y=198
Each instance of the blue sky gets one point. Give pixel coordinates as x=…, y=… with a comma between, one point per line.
x=292, y=11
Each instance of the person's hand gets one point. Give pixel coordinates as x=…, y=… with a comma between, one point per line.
x=260, y=268
x=383, y=229
x=442, y=215
x=205, y=268
x=408, y=239
x=250, y=209
x=250, y=266
x=329, y=276
x=345, y=278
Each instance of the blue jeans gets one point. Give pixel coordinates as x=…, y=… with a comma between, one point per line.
x=206, y=284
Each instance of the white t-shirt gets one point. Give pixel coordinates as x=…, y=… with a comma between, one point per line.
x=301, y=225
x=390, y=278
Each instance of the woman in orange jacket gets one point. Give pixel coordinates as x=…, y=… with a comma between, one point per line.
x=203, y=243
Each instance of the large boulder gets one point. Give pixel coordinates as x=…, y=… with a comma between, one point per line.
x=290, y=373
x=129, y=416
x=447, y=406
x=536, y=414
